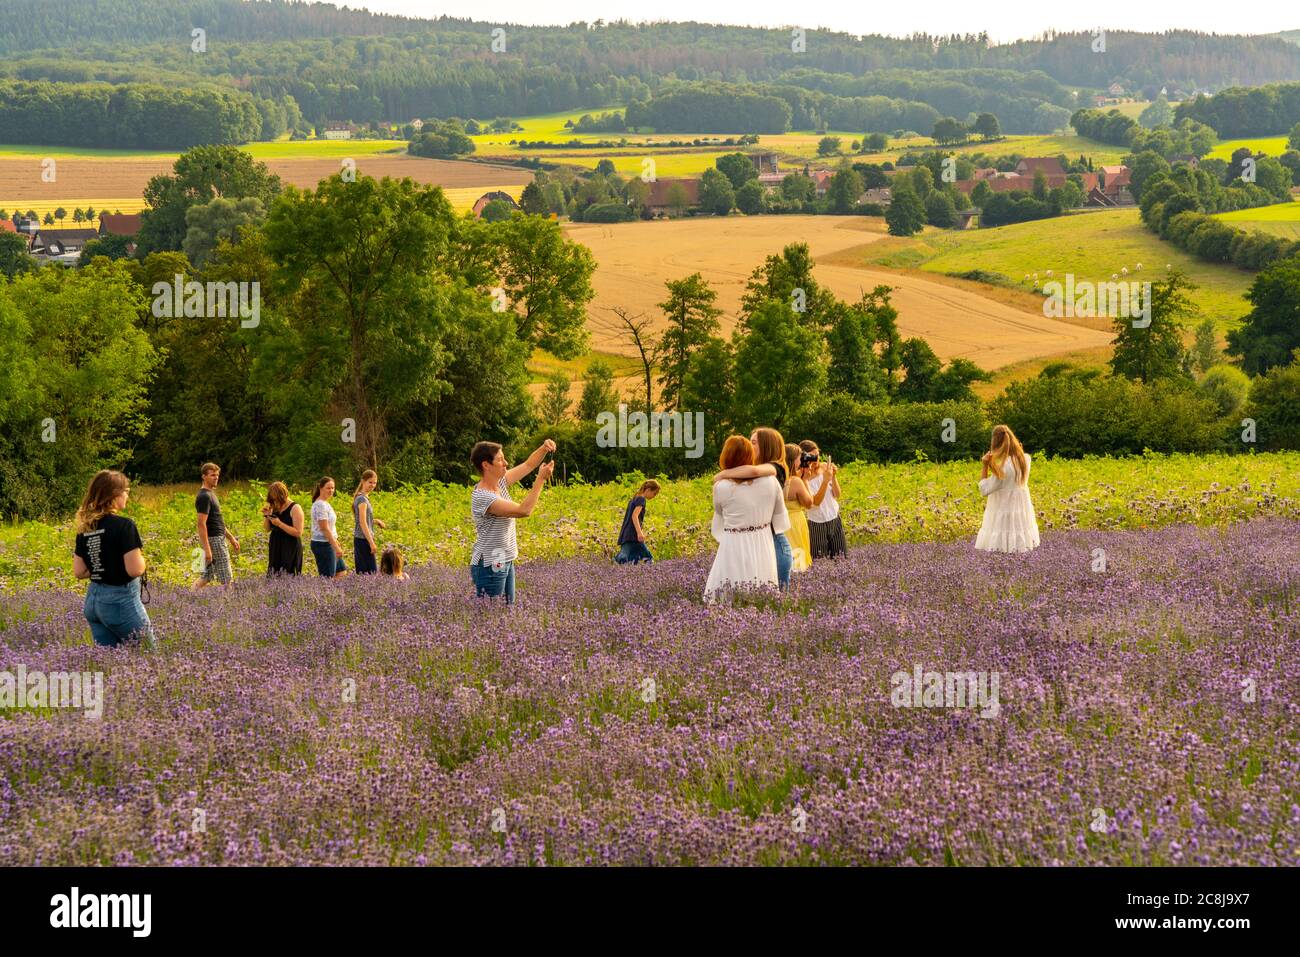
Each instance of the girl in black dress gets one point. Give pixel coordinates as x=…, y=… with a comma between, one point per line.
x=284, y=520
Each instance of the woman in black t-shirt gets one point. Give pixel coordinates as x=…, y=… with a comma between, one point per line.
x=284, y=519
x=108, y=553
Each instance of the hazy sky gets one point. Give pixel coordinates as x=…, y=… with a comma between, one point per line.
x=1001, y=19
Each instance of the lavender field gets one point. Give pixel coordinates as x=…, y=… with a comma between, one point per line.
x=1149, y=713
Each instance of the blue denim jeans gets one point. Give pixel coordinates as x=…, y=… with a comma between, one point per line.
x=784, y=559
x=363, y=559
x=633, y=553
x=494, y=582
x=116, y=614
x=328, y=562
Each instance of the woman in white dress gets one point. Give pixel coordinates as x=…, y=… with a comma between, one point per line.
x=1009, y=521
x=746, y=514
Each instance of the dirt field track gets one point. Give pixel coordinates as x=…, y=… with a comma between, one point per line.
x=98, y=179
x=634, y=260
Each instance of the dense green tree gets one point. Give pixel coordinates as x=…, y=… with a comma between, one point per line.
x=222, y=219
x=1148, y=348
x=14, y=258
x=751, y=199
x=906, y=214
x=1270, y=332
x=1274, y=404
x=531, y=200
x=359, y=336
x=199, y=176
x=547, y=281
x=779, y=367
x=74, y=369
x=716, y=194
x=709, y=388
x=845, y=188
x=788, y=278
x=738, y=168
x=692, y=321
x=987, y=127
x=940, y=210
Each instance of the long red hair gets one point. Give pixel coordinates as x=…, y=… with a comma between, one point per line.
x=736, y=451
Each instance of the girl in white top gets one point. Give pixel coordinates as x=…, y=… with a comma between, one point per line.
x=825, y=529
x=745, y=516
x=1009, y=521
x=325, y=547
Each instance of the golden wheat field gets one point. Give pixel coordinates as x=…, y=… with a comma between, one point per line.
x=635, y=259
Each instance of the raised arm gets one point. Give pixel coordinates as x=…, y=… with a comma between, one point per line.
x=505, y=508
x=533, y=461
x=742, y=472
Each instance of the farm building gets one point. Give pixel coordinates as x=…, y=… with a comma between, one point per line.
x=120, y=224
x=879, y=195
x=1115, y=185
x=61, y=245
x=481, y=203
x=659, y=201
x=339, y=131
x=764, y=162
x=1010, y=182
x=1032, y=164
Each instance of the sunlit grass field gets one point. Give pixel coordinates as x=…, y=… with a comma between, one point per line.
x=1092, y=246
x=1280, y=220
x=1268, y=145
x=892, y=503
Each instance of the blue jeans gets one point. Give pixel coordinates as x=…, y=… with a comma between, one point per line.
x=494, y=582
x=116, y=614
x=633, y=552
x=784, y=559
x=328, y=563
x=363, y=559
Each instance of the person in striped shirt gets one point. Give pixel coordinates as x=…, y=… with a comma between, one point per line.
x=492, y=563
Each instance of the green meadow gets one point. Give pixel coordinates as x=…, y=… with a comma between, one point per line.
x=1280, y=220
x=1092, y=246
x=922, y=501
x=1268, y=145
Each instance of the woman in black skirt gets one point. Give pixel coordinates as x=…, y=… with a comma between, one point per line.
x=825, y=530
x=284, y=520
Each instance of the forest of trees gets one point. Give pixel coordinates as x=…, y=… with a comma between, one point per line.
x=352, y=65
x=1239, y=111
x=138, y=115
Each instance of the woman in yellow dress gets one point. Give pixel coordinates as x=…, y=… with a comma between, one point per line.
x=797, y=500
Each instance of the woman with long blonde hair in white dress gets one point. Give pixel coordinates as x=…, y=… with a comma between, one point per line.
x=1009, y=521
